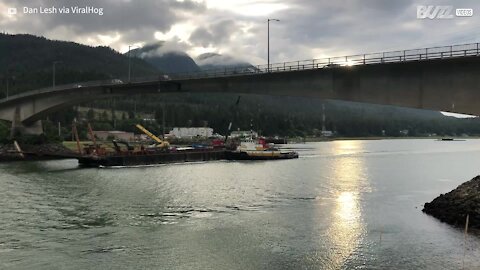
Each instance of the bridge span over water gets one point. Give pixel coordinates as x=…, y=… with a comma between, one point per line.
x=443, y=78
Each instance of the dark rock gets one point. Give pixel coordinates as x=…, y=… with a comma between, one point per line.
x=454, y=206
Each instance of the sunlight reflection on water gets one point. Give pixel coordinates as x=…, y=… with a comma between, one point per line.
x=347, y=226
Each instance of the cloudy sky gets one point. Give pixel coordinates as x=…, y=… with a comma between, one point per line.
x=307, y=28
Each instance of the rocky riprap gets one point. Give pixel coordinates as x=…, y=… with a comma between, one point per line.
x=454, y=206
x=8, y=151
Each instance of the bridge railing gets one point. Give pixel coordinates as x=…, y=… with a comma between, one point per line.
x=462, y=50
x=62, y=87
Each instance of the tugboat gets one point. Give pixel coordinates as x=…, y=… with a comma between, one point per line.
x=251, y=150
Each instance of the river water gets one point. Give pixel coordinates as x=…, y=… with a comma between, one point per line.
x=341, y=205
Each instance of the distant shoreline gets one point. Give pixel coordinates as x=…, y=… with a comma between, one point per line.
x=323, y=139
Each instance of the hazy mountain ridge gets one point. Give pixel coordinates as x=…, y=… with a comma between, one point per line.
x=170, y=60
x=166, y=61
x=209, y=61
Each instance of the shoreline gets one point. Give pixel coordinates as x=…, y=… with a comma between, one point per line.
x=8, y=154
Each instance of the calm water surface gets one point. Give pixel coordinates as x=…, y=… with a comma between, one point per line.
x=341, y=205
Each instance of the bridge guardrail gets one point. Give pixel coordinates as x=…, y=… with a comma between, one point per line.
x=441, y=52
x=470, y=49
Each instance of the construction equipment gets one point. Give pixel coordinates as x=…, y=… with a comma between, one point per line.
x=160, y=143
x=92, y=135
x=94, y=149
x=18, y=149
x=230, y=125
x=75, y=135
x=118, y=148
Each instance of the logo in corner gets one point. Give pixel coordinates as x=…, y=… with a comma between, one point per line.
x=434, y=12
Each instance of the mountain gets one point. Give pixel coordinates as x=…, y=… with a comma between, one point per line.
x=27, y=61
x=166, y=61
x=208, y=61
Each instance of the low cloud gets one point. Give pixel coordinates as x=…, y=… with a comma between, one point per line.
x=214, y=59
x=307, y=28
x=214, y=34
x=160, y=48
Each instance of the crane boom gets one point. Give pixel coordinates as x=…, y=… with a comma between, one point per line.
x=92, y=135
x=149, y=134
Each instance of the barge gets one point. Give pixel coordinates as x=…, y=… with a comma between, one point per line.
x=150, y=158
x=96, y=156
x=161, y=153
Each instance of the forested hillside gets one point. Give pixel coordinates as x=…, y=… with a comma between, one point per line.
x=290, y=116
x=26, y=61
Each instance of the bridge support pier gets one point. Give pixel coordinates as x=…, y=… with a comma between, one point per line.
x=19, y=128
x=34, y=129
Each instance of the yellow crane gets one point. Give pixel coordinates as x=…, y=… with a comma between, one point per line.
x=162, y=144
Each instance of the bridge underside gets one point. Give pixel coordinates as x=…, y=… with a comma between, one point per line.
x=444, y=84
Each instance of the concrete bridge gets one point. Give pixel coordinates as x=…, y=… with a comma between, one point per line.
x=441, y=78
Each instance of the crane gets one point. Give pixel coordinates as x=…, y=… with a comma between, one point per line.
x=162, y=144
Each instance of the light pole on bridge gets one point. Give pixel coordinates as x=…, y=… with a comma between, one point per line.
x=53, y=75
x=130, y=61
x=268, y=42
x=8, y=83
